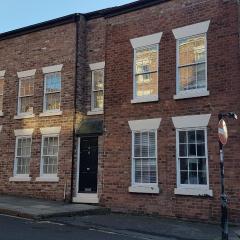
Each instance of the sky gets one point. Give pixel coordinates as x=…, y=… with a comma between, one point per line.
x=20, y=13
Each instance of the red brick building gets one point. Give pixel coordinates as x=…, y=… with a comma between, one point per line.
x=165, y=69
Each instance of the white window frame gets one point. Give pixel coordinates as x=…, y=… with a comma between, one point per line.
x=148, y=125
x=30, y=114
x=188, y=123
x=45, y=93
x=183, y=33
x=141, y=42
x=96, y=67
x=49, y=132
x=21, y=133
x=2, y=77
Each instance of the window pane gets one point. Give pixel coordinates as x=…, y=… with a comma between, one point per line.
x=202, y=164
x=201, y=150
x=184, y=164
x=183, y=150
x=146, y=59
x=146, y=84
x=201, y=75
x=183, y=137
x=191, y=137
x=98, y=80
x=191, y=149
x=23, y=165
x=152, y=145
x=26, y=86
x=193, y=164
x=200, y=136
x=53, y=82
x=184, y=177
x=193, y=177
x=98, y=99
x=26, y=104
x=52, y=101
x=202, y=176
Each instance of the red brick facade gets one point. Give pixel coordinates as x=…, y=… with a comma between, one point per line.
x=106, y=37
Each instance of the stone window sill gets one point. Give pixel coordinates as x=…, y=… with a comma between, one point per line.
x=191, y=94
x=20, y=179
x=23, y=116
x=47, y=179
x=94, y=112
x=144, y=189
x=145, y=99
x=1, y=114
x=50, y=113
x=193, y=192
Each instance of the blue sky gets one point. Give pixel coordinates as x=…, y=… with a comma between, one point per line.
x=20, y=13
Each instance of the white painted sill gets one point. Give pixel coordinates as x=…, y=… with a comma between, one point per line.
x=20, y=179
x=47, y=179
x=145, y=99
x=23, y=116
x=191, y=94
x=50, y=113
x=1, y=114
x=89, y=113
x=144, y=189
x=201, y=192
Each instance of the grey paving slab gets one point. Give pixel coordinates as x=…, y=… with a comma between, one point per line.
x=34, y=208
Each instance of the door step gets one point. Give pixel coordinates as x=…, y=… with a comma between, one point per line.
x=86, y=198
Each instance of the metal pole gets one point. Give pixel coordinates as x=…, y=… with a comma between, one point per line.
x=223, y=195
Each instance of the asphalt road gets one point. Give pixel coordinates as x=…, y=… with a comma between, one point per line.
x=12, y=228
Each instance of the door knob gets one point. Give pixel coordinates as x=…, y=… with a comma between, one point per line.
x=88, y=169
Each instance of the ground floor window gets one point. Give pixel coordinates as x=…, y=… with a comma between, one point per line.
x=144, y=157
x=49, y=159
x=192, y=156
x=23, y=155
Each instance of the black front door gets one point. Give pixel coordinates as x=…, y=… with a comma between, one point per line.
x=88, y=165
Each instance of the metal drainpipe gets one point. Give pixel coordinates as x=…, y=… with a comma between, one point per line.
x=77, y=20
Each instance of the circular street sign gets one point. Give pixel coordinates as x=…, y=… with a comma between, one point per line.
x=222, y=132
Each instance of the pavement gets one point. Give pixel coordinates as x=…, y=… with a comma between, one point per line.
x=83, y=217
x=42, y=209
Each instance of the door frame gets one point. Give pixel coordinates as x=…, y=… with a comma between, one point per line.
x=83, y=197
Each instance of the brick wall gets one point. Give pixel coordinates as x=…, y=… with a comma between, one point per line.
x=223, y=84
x=33, y=51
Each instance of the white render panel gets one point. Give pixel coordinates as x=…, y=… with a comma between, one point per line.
x=97, y=66
x=2, y=73
x=23, y=132
x=191, y=30
x=51, y=69
x=191, y=121
x=146, y=40
x=148, y=124
x=27, y=73
x=50, y=130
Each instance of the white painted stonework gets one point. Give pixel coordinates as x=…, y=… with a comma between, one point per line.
x=28, y=73
x=23, y=132
x=191, y=121
x=193, y=191
x=50, y=130
x=2, y=73
x=146, y=40
x=144, y=189
x=51, y=69
x=97, y=66
x=147, y=124
x=191, y=94
x=191, y=30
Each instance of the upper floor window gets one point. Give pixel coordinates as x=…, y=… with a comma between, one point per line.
x=192, y=63
x=191, y=60
x=97, y=89
x=52, y=91
x=145, y=80
x=25, y=97
x=97, y=86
